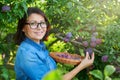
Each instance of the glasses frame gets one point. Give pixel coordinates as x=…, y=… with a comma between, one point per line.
x=37, y=25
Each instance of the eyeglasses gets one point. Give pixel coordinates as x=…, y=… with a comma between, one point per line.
x=34, y=25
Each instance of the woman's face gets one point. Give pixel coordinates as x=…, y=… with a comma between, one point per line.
x=33, y=30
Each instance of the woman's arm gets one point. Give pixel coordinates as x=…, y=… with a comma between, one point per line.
x=85, y=63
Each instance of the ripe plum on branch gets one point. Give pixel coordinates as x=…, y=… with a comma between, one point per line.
x=79, y=39
x=85, y=43
x=89, y=50
x=93, y=44
x=5, y=8
x=67, y=37
x=98, y=41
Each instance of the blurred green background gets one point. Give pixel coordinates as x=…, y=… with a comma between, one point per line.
x=78, y=17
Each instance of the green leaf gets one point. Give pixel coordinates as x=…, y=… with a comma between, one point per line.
x=69, y=4
x=118, y=59
x=97, y=73
x=24, y=5
x=108, y=78
x=53, y=75
x=4, y=73
x=109, y=70
x=116, y=79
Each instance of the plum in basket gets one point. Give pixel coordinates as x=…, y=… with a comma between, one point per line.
x=67, y=56
x=64, y=56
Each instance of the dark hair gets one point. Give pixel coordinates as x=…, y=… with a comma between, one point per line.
x=19, y=35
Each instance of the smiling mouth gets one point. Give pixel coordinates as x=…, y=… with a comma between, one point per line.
x=39, y=32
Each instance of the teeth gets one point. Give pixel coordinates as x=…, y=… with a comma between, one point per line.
x=39, y=32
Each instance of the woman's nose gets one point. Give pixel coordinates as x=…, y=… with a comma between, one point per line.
x=39, y=26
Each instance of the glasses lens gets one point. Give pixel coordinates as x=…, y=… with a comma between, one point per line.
x=43, y=24
x=33, y=25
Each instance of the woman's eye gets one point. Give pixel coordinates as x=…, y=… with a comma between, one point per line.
x=33, y=24
x=43, y=23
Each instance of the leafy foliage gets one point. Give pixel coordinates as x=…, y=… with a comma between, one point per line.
x=75, y=16
x=108, y=71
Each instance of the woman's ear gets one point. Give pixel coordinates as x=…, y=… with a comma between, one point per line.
x=23, y=29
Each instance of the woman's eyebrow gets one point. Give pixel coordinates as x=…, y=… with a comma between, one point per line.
x=36, y=21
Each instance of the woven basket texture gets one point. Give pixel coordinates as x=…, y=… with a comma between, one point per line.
x=74, y=60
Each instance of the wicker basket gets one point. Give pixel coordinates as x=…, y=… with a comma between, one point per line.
x=74, y=60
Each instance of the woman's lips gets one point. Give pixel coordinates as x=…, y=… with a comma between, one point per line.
x=39, y=33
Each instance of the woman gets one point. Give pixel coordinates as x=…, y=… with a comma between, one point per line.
x=32, y=59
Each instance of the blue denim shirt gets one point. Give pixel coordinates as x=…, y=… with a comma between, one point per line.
x=32, y=61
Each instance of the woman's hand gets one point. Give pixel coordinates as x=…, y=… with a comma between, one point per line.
x=88, y=60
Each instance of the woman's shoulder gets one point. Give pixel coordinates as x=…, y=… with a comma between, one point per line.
x=26, y=49
x=25, y=45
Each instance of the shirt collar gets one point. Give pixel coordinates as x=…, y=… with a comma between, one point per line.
x=38, y=46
